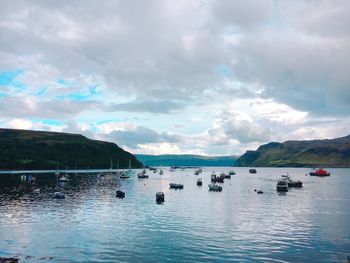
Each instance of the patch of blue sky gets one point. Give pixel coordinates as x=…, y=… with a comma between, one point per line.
x=7, y=78
x=93, y=90
x=41, y=92
x=49, y=122
x=75, y=97
x=224, y=71
x=62, y=82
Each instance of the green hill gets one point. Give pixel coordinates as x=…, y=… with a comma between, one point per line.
x=25, y=149
x=186, y=160
x=312, y=153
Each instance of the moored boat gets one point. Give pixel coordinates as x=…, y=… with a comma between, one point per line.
x=231, y=172
x=176, y=186
x=215, y=187
x=320, y=172
x=290, y=182
x=282, y=186
x=199, y=182
x=160, y=197
x=142, y=175
x=252, y=171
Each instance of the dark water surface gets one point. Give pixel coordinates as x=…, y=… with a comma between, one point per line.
x=311, y=224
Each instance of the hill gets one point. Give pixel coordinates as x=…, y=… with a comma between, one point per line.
x=186, y=160
x=25, y=149
x=311, y=153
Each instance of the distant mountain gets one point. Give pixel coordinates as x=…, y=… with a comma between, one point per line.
x=311, y=153
x=185, y=160
x=24, y=149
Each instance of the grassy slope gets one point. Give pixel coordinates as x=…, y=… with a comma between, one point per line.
x=24, y=149
x=316, y=153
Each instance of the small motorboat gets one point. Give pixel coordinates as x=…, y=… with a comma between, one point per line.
x=320, y=172
x=120, y=194
x=124, y=175
x=199, y=182
x=231, y=172
x=161, y=172
x=63, y=178
x=176, y=186
x=160, y=197
x=227, y=176
x=290, y=182
x=142, y=175
x=282, y=186
x=215, y=187
x=252, y=171
x=220, y=179
x=198, y=171
x=59, y=195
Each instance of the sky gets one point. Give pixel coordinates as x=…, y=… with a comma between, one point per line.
x=186, y=76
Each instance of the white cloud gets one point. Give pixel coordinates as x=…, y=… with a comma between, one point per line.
x=18, y=124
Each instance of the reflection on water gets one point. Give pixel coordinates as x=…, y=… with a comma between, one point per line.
x=310, y=224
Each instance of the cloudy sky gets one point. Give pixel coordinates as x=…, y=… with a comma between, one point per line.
x=185, y=76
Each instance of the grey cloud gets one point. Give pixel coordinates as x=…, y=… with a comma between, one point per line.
x=152, y=106
x=19, y=107
x=142, y=54
x=140, y=135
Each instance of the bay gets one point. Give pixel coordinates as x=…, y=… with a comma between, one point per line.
x=311, y=224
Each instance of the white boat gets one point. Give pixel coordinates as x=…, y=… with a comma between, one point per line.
x=215, y=187
x=124, y=175
x=63, y=178
x=231, y=172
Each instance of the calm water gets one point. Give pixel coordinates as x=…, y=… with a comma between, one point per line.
x=311, y=224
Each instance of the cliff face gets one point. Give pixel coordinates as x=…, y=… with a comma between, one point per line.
x=312, y=153
x=25, y=149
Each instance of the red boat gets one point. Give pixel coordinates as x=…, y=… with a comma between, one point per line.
x=320, y=172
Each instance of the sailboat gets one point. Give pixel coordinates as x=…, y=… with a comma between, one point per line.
x=125, y=175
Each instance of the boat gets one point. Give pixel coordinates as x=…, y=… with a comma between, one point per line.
x=59, y=195
x=290, y=182
x=124, y=175
x=142, y=175
x=213, y=177
x=176, y=186
x=231, y=172
x=215, y=187
x=282, y=186
x=63, y=178
x=320, y=172
x=160, y=197
x=198, y=171
x=228, y=176
x=161, y=172
x=199, y=182
x=252, y=171
x=120, y=194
